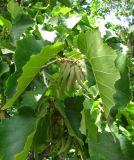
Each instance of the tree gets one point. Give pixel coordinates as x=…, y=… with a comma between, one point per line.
x=66, y=80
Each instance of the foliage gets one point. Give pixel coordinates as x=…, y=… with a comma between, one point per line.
x=66, y=80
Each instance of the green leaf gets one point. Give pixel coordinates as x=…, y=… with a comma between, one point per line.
x=32, y=68
x=53, y=3
x=126, y=147
x=103, y=146
x=14, y=9
x=30, y=98
x=24, y=49
x=16, y=136
x=65, y=2
x=5, y=23
x=88, y=127
x=20, y=24
x=82, y=43
x=3, y=67
x=73, y=108
x=123, y=94
x=41, y=136
x=108, y=148
x=90, y=75
x=102, y=59
x=72, y=120
x=71, y=112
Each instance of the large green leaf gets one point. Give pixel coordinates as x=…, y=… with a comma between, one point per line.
x=102, y=59
x=32, y=68
x=16, y=136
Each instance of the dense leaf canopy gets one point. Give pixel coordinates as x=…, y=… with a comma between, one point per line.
x=66, y=80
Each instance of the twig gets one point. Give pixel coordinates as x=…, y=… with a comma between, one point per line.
x=44, y=78
x=49, y=64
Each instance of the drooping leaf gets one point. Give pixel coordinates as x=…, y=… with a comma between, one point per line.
x=102, y=59
x=73, y=108
x=24, y=49
x=72, y=121
x=32, y=68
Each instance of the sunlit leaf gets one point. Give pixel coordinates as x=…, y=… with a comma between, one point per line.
x=102, y=59
x=5, y=23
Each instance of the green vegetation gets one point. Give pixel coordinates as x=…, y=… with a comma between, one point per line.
x=66, y=80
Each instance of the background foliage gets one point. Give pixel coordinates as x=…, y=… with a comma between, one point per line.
x=66, y=80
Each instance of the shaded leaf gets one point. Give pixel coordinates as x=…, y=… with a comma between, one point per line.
x=16, y=136
x=65, y=2
x=90, y=75
x=41, y=136
x=123, y=94
x=20, y=24
x=72, y=121
x=73, y=108
x=104, y=146
x=30, y=98
x=107, y=148
x=3, y=67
